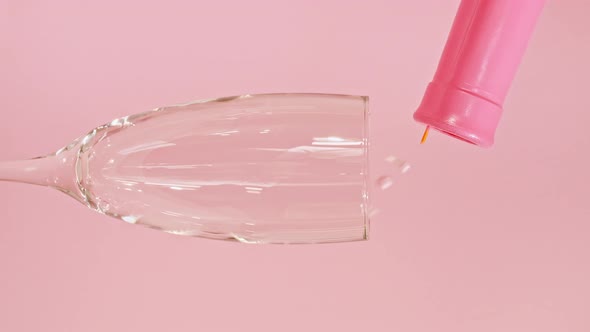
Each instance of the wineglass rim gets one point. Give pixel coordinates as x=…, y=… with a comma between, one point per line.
x=366, y=181
x=252, y=95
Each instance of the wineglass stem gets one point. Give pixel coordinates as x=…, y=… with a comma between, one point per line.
x=33, y=171
x=56, y=171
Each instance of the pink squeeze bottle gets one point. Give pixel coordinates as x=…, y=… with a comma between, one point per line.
x=479, y=61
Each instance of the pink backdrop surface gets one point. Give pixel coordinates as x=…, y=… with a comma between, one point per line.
x=470, y=240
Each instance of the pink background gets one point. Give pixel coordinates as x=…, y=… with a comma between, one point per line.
x=471, y=240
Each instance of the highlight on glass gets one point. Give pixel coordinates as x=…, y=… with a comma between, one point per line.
x=270, y=168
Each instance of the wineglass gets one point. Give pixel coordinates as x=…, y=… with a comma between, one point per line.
x=268, y=168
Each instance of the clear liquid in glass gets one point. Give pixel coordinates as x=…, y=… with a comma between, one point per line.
x=279, y=168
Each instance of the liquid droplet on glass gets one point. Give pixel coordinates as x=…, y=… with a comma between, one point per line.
x=391, y=159
x=399, y=167
x=405, y=168
x=384, y=182
x=373, y=212
x=392, y=170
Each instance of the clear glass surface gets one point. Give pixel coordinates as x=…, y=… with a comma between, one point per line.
x=277, y=168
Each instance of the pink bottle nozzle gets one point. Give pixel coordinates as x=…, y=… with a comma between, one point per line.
x=476, y=69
